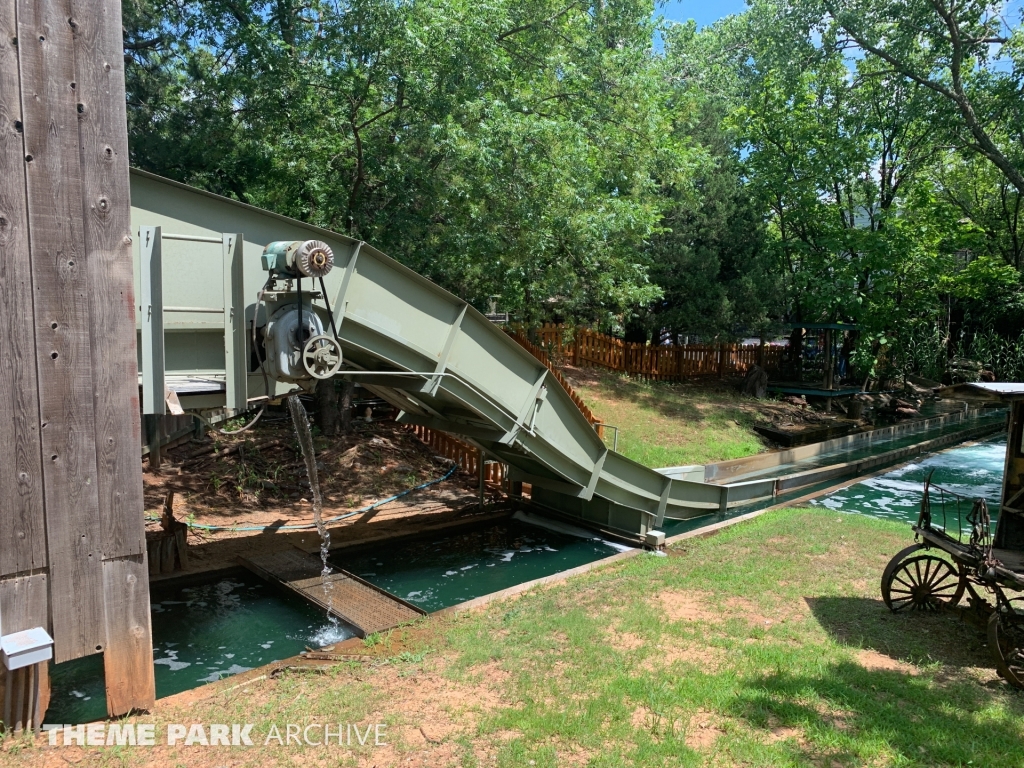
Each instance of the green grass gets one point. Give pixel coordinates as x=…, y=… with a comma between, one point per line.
x=664, y=425
x=663, y=662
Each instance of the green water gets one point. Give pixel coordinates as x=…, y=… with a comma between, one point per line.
x=214, y=630
x=200, y=634
x=206, y=632
x=996, y=416
x=439, y=572
x=970, y=470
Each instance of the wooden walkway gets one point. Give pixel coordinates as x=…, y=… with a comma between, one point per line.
x=366, y=607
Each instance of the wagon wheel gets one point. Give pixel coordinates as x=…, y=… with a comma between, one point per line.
x=921, y=583
x=1006, y=640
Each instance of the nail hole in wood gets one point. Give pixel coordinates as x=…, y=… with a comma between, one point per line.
x=18, y=126
x=54, y=326
x=28, y=158
x=54, y=457
x=54, y=355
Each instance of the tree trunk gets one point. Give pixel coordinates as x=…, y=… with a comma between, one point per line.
x=327, y=407
x=347, y=388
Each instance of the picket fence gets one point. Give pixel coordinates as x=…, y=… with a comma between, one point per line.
x=584, y=347
x=463, y=454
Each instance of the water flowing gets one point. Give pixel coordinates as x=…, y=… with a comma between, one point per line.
x=305, y=437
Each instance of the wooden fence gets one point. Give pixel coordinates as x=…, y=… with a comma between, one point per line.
x=463, y=454
x=669, y=362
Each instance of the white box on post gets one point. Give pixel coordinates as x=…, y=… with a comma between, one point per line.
x=31, y=646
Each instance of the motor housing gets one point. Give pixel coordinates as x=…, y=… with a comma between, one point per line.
x=298, y=258
x=284, y=338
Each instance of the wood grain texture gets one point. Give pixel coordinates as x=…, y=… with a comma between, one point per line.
x=61, y=313
x=22, y=525
x=23, y=603
x=103, y=139
x=128, y=659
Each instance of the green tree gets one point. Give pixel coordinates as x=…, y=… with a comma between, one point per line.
x=505, y=148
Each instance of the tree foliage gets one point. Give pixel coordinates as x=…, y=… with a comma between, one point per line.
x=501, y=148
x=805, y=161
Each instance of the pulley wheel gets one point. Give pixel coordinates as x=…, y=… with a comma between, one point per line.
x=314, y=258
x=321, y=357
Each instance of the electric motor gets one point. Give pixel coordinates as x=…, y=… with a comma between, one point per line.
x=298, y=258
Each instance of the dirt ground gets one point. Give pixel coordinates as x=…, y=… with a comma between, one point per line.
x=255, y=485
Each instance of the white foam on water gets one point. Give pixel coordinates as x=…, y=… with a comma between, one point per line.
x=173, y=663
x=570, y=530
x=328, y=635
x=219, y=674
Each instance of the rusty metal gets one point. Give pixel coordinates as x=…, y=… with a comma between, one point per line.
x=366, y=607
x=973, y=564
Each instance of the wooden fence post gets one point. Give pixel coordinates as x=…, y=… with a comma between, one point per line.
x=66, y=248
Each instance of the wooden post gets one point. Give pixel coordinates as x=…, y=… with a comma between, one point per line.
x=72, y=546
x=829, y=369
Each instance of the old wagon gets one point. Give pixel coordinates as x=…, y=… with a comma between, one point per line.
x=957, y=553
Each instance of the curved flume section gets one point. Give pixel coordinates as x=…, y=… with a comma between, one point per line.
x=447, y=367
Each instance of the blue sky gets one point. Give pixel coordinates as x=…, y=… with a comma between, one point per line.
x=708, y=11
x=702, y=11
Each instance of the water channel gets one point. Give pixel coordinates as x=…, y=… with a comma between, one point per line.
x=230, y=624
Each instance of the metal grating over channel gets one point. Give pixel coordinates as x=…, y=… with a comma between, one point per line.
x=366, y=607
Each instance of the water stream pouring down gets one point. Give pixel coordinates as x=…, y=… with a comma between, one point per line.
x=305, y=437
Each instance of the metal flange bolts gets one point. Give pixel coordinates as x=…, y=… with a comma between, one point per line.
x=314, y=258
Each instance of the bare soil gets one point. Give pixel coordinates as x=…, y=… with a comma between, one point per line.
x=253, y=489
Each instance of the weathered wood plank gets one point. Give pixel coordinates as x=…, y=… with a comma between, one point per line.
x=103, y=139
x=23, y=603
x=22, y=531
x=128, y=659
x=61, y=313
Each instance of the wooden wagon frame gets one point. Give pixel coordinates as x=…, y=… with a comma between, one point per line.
x=987, y=566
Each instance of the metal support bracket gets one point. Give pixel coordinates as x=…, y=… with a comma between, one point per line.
x=152, y=315
x=236, y=368
x=663, y=503
x=529, y=406
x=588, y=493
x=341, y=299
x=442, y=363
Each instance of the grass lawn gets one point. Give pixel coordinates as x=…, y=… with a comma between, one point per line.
x=664, y=424
x=766, y=645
